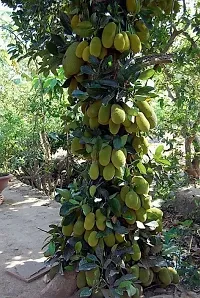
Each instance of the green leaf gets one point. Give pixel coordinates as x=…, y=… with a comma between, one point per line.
x=80, y=94
x=85, y=292
x=110, y=83
x=86, y=69
x=115, y=206
x=117, y=143
x=144, y=90
x=141, y=168
x=86, y=266
x=52, y=48
x=65, y=193
x=159, y=151
x=131, y=290
x=67, y=208
x=124, y=140
x=52, y=248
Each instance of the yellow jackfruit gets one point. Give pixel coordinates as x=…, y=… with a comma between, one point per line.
x=118, y=114
x=81, y=280
x=141, y=185
x=67, y=230
x=73, y=86
x=94, y=171
x=95, y=47
x=75, y=145
x=136, y=256
x=151, y=277
x=71, y=63
x=119, y=238
x=127, y=122
x=100, y=220
x=93, y=109
x=127, y=41
x=130, y=216
x=79, y=228
x=132, y=200
x=152, y=120
x=145, y=201
x=109, y=172
x=143, y=36
x=118, y=158
x=135, y=43
x=86, y=235
x=141, y=214
x=119, y=42
x=142, y=122
x=140, y=26
x=92, y=190
x=86, y=54
x=145, y=108
x=92, y=277
x=164, y=276
x=135, y=271
x=133, y=6
x=94, y=123
x=92, y=239
x=123, y=192
x=74, y=21
x=113, y=128
x=140, y=144
x=80, y=48
x=174, y=275
x=105, y=155
x=89, y=221
x=109, y=240
x=144, y=274
x=108, y=35
x=154, y=213
x=104, y=53
x=104, y=114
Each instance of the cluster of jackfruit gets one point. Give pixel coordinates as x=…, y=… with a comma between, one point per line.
x=168, y=7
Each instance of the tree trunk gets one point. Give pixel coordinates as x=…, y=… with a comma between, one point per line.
x=192, y=165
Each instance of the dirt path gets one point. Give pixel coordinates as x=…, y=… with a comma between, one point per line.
x=23, y=211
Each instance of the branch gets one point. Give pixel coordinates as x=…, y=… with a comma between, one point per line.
x=172, y=38
x=184, y=7
x=193, y=43
x=155, y=59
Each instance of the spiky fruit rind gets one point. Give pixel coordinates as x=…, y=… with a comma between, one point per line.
x=71, y=63
x=118, y=114
x=105, y=155
x=108, y=35
x=89, y=221
x=118, y=158
x=109, y=172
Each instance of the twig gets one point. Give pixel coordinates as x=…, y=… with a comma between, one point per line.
x=193, y=43
x=155, y=59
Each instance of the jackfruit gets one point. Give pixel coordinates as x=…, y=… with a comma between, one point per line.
x=104, y=114
x=86, y=120
x=81, y=280
x=143, y=36
x=142, y=122
x=94, y=123
x=79, y=228
x=136, y=256
x=86, y=235
x=118, y=114
x=94, y=154
x=119, y=42
x=92, y=190
x=86, y=54
x=135, y=43
x=73, y=86
x=109, y=240
x=145, y=108
x=75, y=145
x=174, y=275
x=140, y=144
x=151, y=277
x=127, y=122
x=123, y=192
x=140, y=25
x=144, y=275
x=92, y=277
x=118, y=158
x=74, y=21
x=133, y=128
x=141, y=185
x=108, y=35
x=95, y=46
x=135, y=271
x=164, y=276
x=109, y=172
x=145, y=201
x=152, y=120
x=113, y=128
x=94, y=171
x=79, y=78
x=119, y=173
x=103, y=54
x=67, y=230
x=71, y=63
x=124, y=151
x=154, y=214
x=130, y=216
x=127, y=41
x=89, y=221
x=100, y=220
x=141, y=214
x=105, y=155
x=92, y=239
x=119, y=238
x=84, y=29
x=133, y=6
x=80, y=48
x=93, y=109
x=132, y=200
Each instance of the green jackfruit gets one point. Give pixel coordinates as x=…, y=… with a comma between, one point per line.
x=104, y=114
x=93, y=109
x=119, y=173
x=114, y=128
x=135, y=43
x=67, y=230
x=118, y=114
x=109, y=172
x=119, y=42
x=132, y=200
x=79, y=227
x=151, y=277
x=86, y=54
x=105, y=155
x=133, y=6
x=93, y=122
x=141, y=185
x=92, y=190
x=127, y=122
x=118, y=158
x=154, y=214
x=92, y=239
x=174, y=275
x=92, y=277
x=152, y=120
x=81, y=280
x=119, y=238
x=75, y=145
x=86, y=120
x=84, y=29
x=135, y=271
x=74, y=21
x=136, y=256
x=104, y=53
x=71, y=63
x=89, y=221
x=130, y=216
x=143, y=36
x=145, y=108
x=86, y=235
x=132, y=128
x=145, y=201
x=94, y=171
x=95, y=46
x=140, y=144
x=108, y=35
x=141, y=214
x=127, y=41
x=142, y=122
x=80, y=48
x=100, y=220
x=164, y=276
x=123, y=192
x=109, y=240
x=144, y=275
